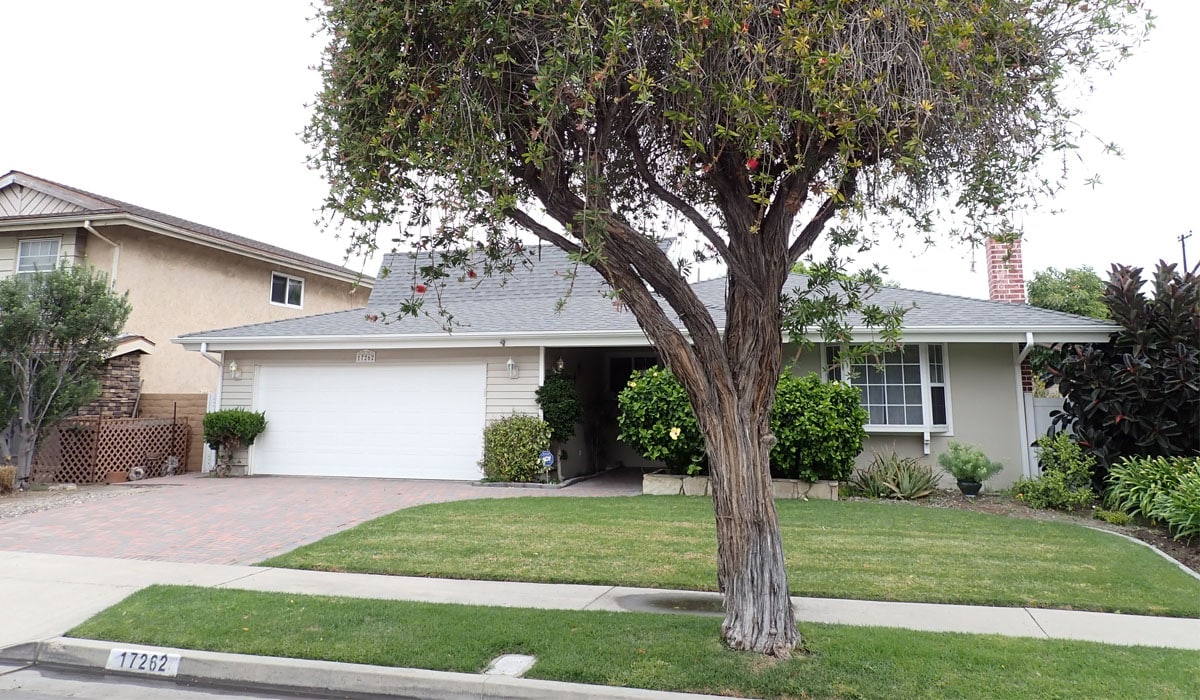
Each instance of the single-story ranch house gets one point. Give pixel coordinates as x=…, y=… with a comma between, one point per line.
x=346, y=395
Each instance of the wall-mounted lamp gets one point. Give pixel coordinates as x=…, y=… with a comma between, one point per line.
x=234, y=370
x=513, y=370
x=560, y=364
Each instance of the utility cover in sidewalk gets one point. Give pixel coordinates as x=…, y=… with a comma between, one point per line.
x=514, y=665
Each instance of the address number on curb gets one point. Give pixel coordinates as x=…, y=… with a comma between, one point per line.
x=148, y=662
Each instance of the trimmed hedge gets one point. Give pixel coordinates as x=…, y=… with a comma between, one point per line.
x=511, y=447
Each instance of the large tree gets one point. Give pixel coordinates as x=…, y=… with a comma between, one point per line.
x=1077, y=291
x=56, y=331
x=754, y=124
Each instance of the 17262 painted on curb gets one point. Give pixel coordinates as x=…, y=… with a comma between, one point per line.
x=141, y=661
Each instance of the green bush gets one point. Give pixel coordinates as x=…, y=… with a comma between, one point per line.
x=1179, y=509
x=892, y=476
x=1054, y=490
x=226, y=431
x=560, y=405
x=1066, y=481
x=511, y=448
x=1136, y=483
x=819, y=427
x=656, y=419
x=1112, y=517
x=968, y=463
x=233, y=428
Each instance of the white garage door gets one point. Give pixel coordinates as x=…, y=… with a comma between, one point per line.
x=414, y=422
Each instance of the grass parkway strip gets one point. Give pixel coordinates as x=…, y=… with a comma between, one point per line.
x=870, y=551
x=642, y=650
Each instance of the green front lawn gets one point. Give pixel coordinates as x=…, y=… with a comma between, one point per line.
x=642, y=650
x=874, y=551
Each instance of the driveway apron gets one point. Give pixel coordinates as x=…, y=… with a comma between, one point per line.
x=196, y=519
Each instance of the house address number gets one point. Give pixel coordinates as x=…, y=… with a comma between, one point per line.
x=141, y=661
x=365, y=356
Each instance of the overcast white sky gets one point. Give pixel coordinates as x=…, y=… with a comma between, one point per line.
x=194, y=109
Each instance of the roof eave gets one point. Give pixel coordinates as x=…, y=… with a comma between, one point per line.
x=75, y=219
x=947, y=334
x=416, y=341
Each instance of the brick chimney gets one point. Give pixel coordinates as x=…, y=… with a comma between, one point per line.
x=1006, y=276
x=1006, y=282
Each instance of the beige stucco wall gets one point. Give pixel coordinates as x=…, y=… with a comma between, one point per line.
x=177, y=287
x=983, y=407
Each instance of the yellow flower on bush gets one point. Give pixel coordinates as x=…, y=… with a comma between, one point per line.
x=675, y=433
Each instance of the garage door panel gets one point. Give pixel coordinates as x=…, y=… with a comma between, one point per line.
x=414, y=421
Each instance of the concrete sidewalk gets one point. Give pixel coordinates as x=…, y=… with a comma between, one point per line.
x=52, y=593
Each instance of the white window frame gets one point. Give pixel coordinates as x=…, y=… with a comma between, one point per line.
x=57, y=240
x=290, y=279
x=927, y=425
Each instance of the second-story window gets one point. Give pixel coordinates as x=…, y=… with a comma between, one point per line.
x=37, y=255
x=287, y=290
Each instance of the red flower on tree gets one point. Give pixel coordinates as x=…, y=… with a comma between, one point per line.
x=420, y=288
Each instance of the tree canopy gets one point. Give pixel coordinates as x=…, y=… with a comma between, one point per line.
x=1078, y=291
x=752, y=125
x=56, y=330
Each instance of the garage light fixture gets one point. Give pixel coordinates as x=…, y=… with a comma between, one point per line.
x=513, y=370
x=234, y=370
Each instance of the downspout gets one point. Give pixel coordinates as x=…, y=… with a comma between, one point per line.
x=210, y=358
x=1028, y=347
x=112, y=281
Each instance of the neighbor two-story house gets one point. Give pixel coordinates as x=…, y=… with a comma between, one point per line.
x=180, y=276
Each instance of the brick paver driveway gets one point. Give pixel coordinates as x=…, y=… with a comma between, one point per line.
x=242, y=520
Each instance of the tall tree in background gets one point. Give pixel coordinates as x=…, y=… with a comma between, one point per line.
x=755, y=124
x=56, y=331
x=1078, y=291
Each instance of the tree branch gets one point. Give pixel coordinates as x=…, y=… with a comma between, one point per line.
x=677, y=202
x=845, y=191
x=542, y=231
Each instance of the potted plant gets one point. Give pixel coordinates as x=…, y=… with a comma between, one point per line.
x=969, y=466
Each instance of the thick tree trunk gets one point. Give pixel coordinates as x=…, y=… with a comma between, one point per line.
x=752, y=575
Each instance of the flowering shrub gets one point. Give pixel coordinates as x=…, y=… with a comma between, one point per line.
x=511, y=449
x=818, y=425
x=655, y=419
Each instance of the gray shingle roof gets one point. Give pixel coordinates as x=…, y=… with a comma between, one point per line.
x=101, y=204
x=526, y=302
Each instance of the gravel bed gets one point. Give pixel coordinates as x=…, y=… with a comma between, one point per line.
x=22, y=502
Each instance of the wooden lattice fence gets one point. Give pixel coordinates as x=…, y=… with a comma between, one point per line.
x=86, y=450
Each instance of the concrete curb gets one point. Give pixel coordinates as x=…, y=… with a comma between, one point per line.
x=299, y=675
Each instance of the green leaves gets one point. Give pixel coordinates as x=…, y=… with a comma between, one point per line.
x=56, y=330
x=511, y=447
x=818, y=426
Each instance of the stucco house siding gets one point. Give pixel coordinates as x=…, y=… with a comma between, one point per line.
x=215, y=289
x=984, y=412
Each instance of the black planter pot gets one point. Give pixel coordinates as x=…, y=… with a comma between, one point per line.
x=970, y=489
